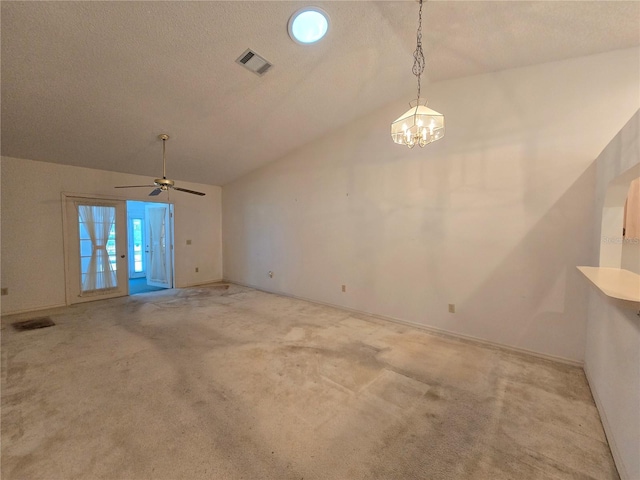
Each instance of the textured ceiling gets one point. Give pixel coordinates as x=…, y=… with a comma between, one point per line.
x=93, y=83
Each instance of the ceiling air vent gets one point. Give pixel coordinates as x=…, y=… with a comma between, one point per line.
x=254, y=62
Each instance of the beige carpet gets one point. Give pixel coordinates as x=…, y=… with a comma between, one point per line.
x=207, y=383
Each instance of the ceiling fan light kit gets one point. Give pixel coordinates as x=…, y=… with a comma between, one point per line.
x=163, y=184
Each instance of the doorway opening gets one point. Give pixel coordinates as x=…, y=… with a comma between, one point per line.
x=150, y=246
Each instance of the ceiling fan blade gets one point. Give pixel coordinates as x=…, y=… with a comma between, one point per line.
x=135, y=186
x=155, y=192
x=189, y=191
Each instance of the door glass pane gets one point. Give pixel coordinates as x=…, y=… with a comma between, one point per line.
x=84, y=261
x=86, y=248
x=138, y=267
x=111, y=247
x=84, y=234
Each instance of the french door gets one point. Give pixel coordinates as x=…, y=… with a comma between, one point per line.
x=96, y=247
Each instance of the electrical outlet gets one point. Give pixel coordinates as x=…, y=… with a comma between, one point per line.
x=452, y=308
x=188, y=242
x=4, y=291
x=344, y=288
x=197, y=269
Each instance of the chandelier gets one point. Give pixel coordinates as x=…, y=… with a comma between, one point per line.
x=419, y=125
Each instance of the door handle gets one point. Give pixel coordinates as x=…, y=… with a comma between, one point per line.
x=121, y=256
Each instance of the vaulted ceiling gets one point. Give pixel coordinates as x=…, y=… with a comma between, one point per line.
x=93, y=83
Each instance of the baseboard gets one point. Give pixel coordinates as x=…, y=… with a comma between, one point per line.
x=199, y=284
x=482, y=341
x=608, y=431
x=39, y=309
x=29, y=310
x=433, y=330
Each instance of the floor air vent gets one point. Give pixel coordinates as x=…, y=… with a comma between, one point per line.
x=254, y=62
x=33, y=324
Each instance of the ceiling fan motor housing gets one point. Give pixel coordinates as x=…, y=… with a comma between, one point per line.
x=163, y=182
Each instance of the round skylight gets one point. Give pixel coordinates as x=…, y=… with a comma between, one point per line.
x=308, y=25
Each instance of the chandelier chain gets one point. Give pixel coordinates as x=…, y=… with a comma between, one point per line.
x=418, y=55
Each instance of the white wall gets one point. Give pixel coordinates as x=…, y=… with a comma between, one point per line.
x=492, y=218
x=32, y=236
x=612, y=357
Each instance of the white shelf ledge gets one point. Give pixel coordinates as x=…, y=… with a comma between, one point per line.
x=614, y=282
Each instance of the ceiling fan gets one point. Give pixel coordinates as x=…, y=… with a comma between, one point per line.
x=162, y=184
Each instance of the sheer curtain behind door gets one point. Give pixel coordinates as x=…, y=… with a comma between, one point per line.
x=97, y=247
x=157, y=270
